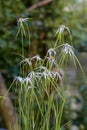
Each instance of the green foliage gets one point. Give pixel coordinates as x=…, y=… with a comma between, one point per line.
x=41, y=98
x=39, y=84
x=45, y=20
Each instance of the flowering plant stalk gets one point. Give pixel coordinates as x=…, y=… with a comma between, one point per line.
x=41, y=93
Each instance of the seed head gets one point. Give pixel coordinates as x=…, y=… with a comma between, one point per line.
x=37, y=57
x=27, y=80
x=68, y=49
x=51, y=60
x=19, y=79
x=26, y=60
x=21, y=20
x=61, y=29
x=51, y=52
x=31, y=74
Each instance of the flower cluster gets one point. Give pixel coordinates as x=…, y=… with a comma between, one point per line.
x=61, y=29
x=39, y=74
x=51, y=52
x=42, y=68
x=22, y=20
x=26, y=60
x=67, y=49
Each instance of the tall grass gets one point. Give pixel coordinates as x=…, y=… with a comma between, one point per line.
x=41, y=93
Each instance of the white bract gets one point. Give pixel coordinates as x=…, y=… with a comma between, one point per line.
x=19, y=79
x=61, y=29
x=45, y=75
x=41, y=68
x=51, y=52
x=27, y=80
x=51, y=60
x=31, y=87
x=68, y=49
x=21, y=20
x=48, y=72
x=26, y=60
x=37, y=57
x=56, y=74
x=32, y=75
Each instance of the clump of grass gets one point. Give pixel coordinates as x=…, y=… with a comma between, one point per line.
x=41, y=98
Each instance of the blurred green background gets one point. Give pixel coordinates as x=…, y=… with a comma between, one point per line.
x=45, y=22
